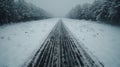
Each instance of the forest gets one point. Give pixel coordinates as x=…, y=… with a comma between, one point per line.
x=13, y=11
x=105, y=11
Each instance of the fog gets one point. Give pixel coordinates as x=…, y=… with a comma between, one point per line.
x=58, y=8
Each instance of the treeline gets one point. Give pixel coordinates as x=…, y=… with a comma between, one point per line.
x=101, y=10
x=19, y=10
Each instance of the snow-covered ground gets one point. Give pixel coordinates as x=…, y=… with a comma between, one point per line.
x=101, y=39
x=19, y=41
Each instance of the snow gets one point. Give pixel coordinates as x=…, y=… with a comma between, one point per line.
x=101, y=39
x=18, y=42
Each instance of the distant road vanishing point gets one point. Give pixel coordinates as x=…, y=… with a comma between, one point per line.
x=61, y=49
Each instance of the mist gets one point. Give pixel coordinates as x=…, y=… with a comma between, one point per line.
x=59, y=8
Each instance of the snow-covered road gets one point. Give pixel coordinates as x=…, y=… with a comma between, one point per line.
x=61, y=49
x=19, y=42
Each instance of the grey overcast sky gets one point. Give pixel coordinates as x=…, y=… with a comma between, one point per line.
x=58, y=8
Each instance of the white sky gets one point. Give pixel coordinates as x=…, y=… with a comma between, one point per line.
x=58, y=8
